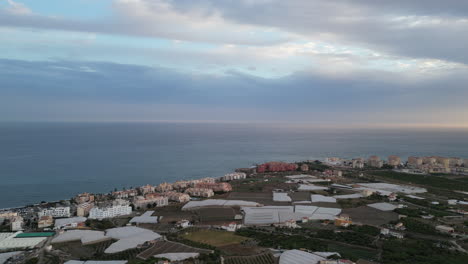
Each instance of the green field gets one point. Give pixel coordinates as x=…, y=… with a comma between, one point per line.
x=213, y=237
x=426, y=180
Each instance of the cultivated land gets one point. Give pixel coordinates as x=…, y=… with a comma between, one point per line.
x=213, y=237
x=408, y=232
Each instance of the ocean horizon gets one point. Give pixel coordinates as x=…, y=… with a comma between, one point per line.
x=47, y=161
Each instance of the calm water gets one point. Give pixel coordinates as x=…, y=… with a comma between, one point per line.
x=45, y=161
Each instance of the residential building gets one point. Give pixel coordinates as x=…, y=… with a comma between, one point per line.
x=375, y=161
x=125, y=194
x=304, y=167
x=164, y=187
x=55, y=212
x=415, y=161
x=388, y=232
x=8, y=214
x=343, y=220
x=203, y=180
x=429, y=160
x=456, y=162
x=84, y=198
x=394, y=161
x=216, y=187
x=357, y=163
x=234, y=176
x=147, y=189
x=200, y=192
x=153, y=201
x=16, y=223
x=443, y=161
x=276, y=167
x=177, y=197
x=110, y=211
x=178, y=185
x=83, y=209
x=184, y=223
x=231, y=227
x=73, y=222
x=45, y=221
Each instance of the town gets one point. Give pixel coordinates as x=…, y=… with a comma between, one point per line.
x=332, y=211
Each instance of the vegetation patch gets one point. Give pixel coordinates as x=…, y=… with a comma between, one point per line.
x=213, y=237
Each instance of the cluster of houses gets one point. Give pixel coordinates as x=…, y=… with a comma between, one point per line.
x=432, y=164
x=118, y=203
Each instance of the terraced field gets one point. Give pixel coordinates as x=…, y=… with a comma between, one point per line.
x=266, y=258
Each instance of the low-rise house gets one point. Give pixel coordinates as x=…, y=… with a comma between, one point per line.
x=343, y=220
x=7, y=215
x=200, y=192
x=388, y=232
x=55, y=212
x=231, y=227
x=164, y=187
x=83, y=209
x=125, y=194
x=45, y=221
x=147, y=189
x=183, y=223
x=203, y=180
x=234, y=176
x=357, y=163
x=216, y=187
x=73, y=222
x=177, y=197
x=291, y=224
x=84, y=198
x=180, y=185
x=16, y=223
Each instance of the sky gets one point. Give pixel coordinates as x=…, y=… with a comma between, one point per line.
x=317, y=62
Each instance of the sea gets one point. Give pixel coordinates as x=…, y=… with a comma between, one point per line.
x=55, y=161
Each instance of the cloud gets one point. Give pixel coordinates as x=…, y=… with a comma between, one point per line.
x=118, y=91
x=17, y=8
x=414, y=29
x=151, y=19
x=417, y=29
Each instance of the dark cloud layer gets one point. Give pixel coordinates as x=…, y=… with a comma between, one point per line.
x=107, y=83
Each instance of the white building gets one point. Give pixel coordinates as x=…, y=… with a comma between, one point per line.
x=109, y=212
x=16, y=223
x=55, y=212
x=73, y=222
x=234, y=176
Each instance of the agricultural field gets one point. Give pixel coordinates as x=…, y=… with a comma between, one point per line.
x=370, y=216
x=213, y=237
x=260, y=197
x=266, y=258
x=215, y=214
x=162, y=247
x=439, y=182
